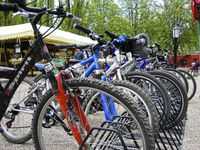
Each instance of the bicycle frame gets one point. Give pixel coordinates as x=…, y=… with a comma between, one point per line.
x=145, y=62
x=37, y=50
x=94, y=65
x=16, y=77
x=93, y=60
x=109, y=109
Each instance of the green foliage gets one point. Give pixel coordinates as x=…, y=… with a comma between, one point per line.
x=129, y=17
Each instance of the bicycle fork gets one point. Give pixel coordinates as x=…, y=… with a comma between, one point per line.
x=64, y=100
x=108, y=105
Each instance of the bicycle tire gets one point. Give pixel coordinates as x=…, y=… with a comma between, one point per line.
x=176, y=115
x=146, y=99
x=18, y=131
x=39, y=77
x=138, y=76
x=192, y=85
x=43, y=82
x=103, y=87
x=142, y=100
x=180, y=76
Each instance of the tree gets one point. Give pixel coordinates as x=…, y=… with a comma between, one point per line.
x=129, y=17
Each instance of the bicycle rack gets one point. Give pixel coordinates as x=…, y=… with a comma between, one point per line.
x=170, y=139
x=109, y=135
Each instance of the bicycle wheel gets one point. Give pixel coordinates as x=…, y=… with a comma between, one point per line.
x=191, y=82
x=178, y=95
x=155, y=90
x=43, y=82
x=138, y=96
x=127, y=129
x=16, y=123
x=179, y=76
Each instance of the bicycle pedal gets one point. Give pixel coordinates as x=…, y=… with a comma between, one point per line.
x=15, y=112
x=9, y=124
x=30, y=102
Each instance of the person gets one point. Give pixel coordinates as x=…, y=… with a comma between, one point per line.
x=167, y=56
x=196, y=67
x=184, y=63
x=193, y=67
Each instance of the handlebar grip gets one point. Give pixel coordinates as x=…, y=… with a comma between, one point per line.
x=34, y=9
x=110, y=34
x=8, y=7
x=82, y=29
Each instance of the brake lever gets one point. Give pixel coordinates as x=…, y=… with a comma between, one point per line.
x=77, y=18
x=22, y=14
x=70, y=15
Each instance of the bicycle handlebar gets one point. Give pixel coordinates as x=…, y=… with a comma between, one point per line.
x=82, y=29
x=91, y=34
x=28, y=10
x=34, y=9
x=110, y=34
x=15, y=7
x=8, y=7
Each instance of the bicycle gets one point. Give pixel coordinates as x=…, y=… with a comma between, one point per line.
x=22, y=106
x=174, y=87
x=149, y=82
x=66, y=88
x=92, y=70
x=186, y=78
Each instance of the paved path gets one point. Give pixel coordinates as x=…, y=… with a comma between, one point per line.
x=191, y=138
x=192, y=133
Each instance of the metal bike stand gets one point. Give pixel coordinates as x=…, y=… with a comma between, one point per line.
x=170, y=139
x=109, y=135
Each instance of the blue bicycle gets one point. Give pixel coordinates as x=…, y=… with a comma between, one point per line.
x=94, y=102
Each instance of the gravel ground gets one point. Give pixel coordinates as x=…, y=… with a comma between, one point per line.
x=191, y=138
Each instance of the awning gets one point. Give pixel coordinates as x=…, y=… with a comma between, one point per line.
x=25, y=32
